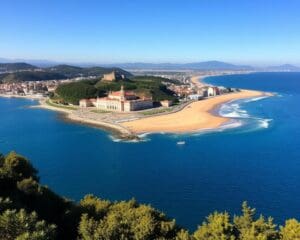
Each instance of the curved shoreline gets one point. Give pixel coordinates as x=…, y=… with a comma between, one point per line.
x=69, y=115
x=196, y=116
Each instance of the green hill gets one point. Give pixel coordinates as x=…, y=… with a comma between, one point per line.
x=29, y=76
x=74, y=71
x=147, y=86
x=5, y=67
x=74, y=91
x=25, y=72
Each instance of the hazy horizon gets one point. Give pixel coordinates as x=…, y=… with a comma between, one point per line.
x=83, y=63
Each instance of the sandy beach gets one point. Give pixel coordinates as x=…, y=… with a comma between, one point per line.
x=194, y=117
x=197, y=80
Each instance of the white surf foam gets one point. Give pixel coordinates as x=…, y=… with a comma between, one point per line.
x=234, y=111
x=255, y=99
x=264, y=123
x=116, y=139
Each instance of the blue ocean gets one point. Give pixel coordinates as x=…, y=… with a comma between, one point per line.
x=255, y=158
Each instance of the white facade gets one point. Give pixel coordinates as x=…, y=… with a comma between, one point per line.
x=118, y=101
x=195, y=97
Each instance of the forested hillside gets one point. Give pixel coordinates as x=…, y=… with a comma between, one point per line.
x=29, y=76
x=5, y=67
x=74, y=71
x=18, y=72
x=145, y=85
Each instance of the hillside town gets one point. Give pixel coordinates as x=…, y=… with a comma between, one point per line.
x=35, y=89
x=122, y=101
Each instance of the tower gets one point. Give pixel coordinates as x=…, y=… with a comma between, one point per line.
x=122, y=93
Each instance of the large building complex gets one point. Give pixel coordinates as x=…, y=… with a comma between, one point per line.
x=120, y=101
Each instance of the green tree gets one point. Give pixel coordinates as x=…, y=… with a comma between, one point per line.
x=125, y=220
x=291, y=230
x=17, y=167
x=184, y=235
x=260, y=229
x=94, y=206
x=217, y=227
x=28, y=186
x=251, y=229
x=23, y=226
x=246, y=219
x=74, y=91
x=5, y=203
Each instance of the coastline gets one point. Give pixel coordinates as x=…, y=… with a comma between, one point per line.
x=30, y=97
x=194, y=117
x=70, y=115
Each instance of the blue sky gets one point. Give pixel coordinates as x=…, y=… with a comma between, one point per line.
x=252, y=32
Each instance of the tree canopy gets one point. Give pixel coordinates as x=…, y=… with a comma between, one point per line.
x=74, y=91
x=143, y=85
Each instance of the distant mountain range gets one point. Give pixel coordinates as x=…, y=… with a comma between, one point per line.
x=86, y=68
x=38, y=63
x=209, y=65
x=6, y=67
x=202, y=66
x=284, y=67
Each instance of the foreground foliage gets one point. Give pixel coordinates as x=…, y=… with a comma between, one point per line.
x=29, y=210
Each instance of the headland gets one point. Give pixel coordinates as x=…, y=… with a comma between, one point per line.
x=192, y=115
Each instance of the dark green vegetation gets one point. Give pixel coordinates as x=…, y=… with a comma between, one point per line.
x=29, y=210
x=18, y=72
x=5, y=67
x=148, y=86
x=73, y=71
x=74, y=91
x=29, y=76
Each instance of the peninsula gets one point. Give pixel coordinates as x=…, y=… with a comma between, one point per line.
x=127, y=104
x=188, y=117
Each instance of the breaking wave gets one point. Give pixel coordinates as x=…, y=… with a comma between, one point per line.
x=255, y=99
x=235, y=111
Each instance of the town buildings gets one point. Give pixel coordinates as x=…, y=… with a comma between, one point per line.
x=120, y=101
x=29, y=88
